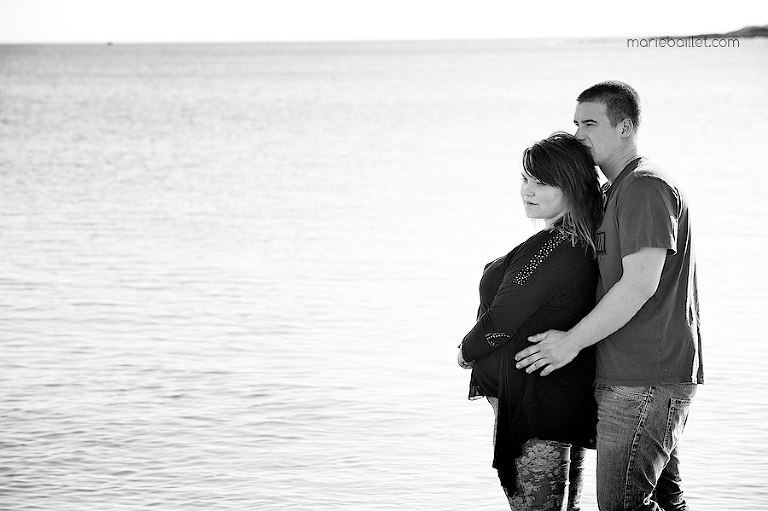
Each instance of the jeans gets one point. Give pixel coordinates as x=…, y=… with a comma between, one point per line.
x=638, y=430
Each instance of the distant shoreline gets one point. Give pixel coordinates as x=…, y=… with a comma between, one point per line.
x=751, y=31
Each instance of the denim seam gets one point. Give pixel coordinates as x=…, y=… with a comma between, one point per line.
x=633, y=453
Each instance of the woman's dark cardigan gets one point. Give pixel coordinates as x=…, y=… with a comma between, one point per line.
x=544, y=283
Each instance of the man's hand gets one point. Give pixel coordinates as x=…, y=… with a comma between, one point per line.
x=463, y=363
x=551, y=351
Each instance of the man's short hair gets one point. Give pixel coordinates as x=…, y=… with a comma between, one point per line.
x=620, y=99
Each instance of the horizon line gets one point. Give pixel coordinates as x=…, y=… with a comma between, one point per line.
x=115, y=42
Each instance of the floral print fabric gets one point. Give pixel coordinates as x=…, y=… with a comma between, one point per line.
x=542, y=477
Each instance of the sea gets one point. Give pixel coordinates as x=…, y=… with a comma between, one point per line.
x=234, y=276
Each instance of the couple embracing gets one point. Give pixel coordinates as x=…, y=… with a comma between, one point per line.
x=587, y=334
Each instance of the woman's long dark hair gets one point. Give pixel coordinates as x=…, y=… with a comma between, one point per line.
x=562, y=161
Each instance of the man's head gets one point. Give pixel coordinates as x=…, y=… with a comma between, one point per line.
x=620, y=99
x=606, y=119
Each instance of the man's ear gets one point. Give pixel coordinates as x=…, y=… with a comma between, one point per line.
x=627, y=127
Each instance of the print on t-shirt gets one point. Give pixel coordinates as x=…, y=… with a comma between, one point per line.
x=600, y=242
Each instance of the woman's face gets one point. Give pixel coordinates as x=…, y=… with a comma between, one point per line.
x=541, y=201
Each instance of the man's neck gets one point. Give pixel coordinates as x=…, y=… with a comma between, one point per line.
x=612, y=168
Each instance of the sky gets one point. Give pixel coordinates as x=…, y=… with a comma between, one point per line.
x=99, y=21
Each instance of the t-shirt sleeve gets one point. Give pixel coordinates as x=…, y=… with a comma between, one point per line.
x=648, y=216
x=523, y=291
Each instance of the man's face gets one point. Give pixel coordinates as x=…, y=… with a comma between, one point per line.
x=594, y=130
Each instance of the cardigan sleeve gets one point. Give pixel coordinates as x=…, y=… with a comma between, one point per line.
x=524, y=289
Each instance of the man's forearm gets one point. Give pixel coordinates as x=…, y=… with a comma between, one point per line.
x=617, y=307
x=640, y=279
x=554, y=349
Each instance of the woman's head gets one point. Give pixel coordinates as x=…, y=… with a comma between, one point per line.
x=565, y=191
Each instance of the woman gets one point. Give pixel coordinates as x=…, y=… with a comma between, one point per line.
x=543, y=424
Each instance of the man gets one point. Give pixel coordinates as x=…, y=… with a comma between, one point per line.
x=646, y=321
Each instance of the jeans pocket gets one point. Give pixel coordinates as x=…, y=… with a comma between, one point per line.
x=676, y=419
x=631, y=392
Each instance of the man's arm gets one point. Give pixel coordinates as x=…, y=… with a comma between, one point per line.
x=641, y=273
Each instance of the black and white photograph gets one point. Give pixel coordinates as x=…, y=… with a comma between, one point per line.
x=383, y=255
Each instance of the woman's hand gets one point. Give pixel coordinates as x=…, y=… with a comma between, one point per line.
x=463, y=363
